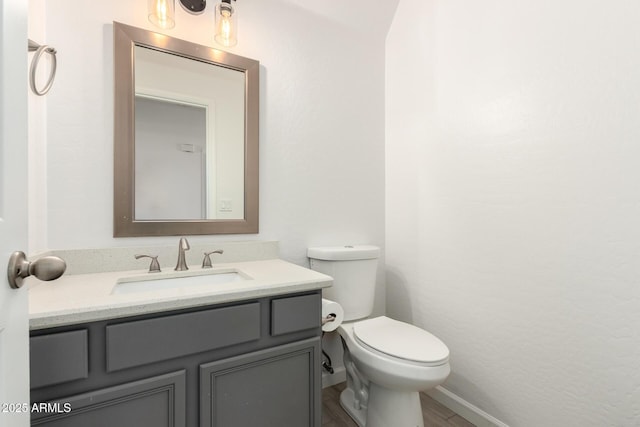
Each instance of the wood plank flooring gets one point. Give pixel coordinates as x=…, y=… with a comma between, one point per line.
x=434, y=414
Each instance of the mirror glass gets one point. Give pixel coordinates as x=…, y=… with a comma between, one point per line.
x=189, y=138
x=185, y=137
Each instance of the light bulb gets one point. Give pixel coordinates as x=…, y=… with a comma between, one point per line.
x=226, y=28
x=161, y=13
x=226, y=25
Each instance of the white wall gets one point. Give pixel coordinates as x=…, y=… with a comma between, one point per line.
x=513, y=201
x=322, y=123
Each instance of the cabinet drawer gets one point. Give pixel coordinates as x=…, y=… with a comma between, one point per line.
x=147, y=341
x=58, y=358
x=294, y=314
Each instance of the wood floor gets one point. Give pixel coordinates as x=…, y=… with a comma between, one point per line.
x=434, y=414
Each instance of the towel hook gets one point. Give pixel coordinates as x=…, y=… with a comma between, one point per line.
x=41, y=50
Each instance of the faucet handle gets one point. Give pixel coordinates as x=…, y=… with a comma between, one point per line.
x=154, y=267
x=206, y=262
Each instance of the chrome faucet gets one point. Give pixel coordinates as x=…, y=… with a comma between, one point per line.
x=182, y=263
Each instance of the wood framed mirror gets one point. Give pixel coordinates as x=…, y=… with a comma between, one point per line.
x=186, y=131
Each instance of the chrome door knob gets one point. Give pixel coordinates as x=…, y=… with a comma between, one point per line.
x=45, y=268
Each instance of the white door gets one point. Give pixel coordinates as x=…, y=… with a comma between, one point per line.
x=14, y=330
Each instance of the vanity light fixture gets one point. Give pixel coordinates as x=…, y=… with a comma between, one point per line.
x=162, y=15
x=162, y=12
x=194, y=7
x=226, y=24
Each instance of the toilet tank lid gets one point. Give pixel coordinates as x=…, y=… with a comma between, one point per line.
x=344, y=253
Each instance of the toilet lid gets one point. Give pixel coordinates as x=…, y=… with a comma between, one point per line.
x=401, y=340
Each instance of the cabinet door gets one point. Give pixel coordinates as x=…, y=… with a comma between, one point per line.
x=277, y=387
x=152, y=402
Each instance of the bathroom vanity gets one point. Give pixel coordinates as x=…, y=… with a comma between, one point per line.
x=242, y=354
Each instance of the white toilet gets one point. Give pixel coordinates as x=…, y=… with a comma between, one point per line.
x=387, y=362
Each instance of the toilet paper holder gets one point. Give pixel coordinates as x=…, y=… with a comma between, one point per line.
x=328, y=318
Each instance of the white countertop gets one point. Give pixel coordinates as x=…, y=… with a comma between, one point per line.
x=84, y=298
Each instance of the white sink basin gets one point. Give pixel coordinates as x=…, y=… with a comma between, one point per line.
x=176, y=280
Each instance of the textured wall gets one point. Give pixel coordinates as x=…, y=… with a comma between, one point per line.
x=513, y=200
x=322, y=122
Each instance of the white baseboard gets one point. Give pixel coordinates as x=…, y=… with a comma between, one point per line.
x=466, y=410
x=339, y=375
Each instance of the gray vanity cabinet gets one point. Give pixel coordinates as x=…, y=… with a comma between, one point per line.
x=251, y=363
x=265, y=388
x=157, y=401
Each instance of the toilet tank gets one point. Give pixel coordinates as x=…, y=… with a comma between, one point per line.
x=353, y=269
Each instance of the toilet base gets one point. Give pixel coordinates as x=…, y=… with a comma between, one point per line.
x=385, y=408
x=348, y=403
x=393, y=408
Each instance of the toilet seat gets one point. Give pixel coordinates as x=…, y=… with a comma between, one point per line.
x=401, y=340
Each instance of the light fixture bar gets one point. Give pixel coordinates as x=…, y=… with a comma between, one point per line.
x=195, y=7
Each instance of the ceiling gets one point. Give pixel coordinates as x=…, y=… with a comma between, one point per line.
x=364, y=16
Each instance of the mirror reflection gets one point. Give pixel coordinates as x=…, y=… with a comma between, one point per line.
x=189, y=138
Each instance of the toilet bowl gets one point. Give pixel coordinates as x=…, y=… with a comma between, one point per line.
x=388, y=362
